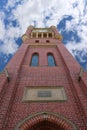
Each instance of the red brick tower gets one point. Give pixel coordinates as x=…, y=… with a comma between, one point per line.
x=43, y=87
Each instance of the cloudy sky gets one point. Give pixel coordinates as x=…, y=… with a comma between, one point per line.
x=69, y=16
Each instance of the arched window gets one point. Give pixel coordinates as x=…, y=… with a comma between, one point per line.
x=35, y=60
x=51, y=61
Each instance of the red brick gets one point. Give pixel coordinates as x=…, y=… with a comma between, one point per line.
x=13, y=110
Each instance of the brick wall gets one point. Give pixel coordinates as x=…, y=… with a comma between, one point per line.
x=65, y=74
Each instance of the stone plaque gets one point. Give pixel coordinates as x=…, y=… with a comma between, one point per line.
x=44, y=94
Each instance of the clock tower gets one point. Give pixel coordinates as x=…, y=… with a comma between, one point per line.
x=43, y=87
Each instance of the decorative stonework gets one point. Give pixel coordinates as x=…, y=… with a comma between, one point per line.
x=24, y=37
x=41, y=30
x=59, y=37
x=37, y=45
x=43, y=120
x=44, y=94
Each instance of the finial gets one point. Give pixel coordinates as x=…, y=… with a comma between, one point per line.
x=80, y=74
x=24, y=37
x=7, y=74
x=59, y=37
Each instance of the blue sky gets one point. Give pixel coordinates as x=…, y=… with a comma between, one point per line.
x=69, y=16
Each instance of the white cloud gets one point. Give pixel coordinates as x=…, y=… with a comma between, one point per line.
x=79, y=46
x=2, y=30
x=13, y=32
x=2, y=26
x=8, y=36
x=79, y=50
x=11, y=4
x=82, y=33
x=9, y=47
x=37, y=10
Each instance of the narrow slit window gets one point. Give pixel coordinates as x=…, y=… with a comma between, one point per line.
x=36, y=41
x=51, y=60
x=47, y=41
x=35, y=60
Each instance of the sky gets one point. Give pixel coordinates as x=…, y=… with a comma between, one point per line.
x=69, y=16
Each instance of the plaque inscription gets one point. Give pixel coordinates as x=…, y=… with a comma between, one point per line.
x=44, y=94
